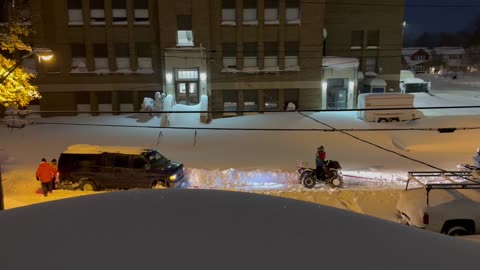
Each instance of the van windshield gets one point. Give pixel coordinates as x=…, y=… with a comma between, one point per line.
x=156, y=159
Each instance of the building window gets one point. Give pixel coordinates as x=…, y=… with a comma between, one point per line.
x=373, y=39
x=140, y=12
x=75, y=15
x=371, y=64
x=97, y=12
x=187, y=75
x=144, y=56
x=357, y=40
x=271, y=99
x=119, y=11
x=79, y=59
x=230, y=102
x=419, y=57
x=184, y=30
x=250, y=55
x=271, y=12
x=100, y=54
x=250, y=100
x=229, y=53
x=292, y=10
x=271, y=55
x=291, y=54
x=228, y=12
x=122, y=56
x=250, y=12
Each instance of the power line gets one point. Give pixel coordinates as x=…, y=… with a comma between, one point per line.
x=385, y=149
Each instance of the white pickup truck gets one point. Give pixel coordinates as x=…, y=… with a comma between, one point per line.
x=451, y=208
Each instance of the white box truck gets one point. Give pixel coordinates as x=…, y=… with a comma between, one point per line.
x=383, y=101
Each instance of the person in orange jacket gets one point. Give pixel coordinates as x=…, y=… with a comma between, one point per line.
x=45, y=173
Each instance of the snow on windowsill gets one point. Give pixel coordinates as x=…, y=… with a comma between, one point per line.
x=272, y=22
x=97, y=23
x=251, y=69
x=257, y=70
x=373, y=47
x=296, y=21
x=271, y=69
x=120, y=23
x=75, y=23
x=293, y=68
x=142, y=23
x=250, y=23
x=229, y=23
x=355, y=47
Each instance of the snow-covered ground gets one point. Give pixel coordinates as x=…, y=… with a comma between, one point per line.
x=264, y=161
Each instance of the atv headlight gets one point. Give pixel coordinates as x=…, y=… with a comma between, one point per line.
x=173, y=177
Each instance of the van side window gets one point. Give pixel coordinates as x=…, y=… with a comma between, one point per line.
x=108, y=160
x=138, y=162
x=121, y=161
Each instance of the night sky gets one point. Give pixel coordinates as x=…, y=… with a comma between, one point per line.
x=439, y=19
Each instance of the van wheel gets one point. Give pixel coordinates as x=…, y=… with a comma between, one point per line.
x=158, y=185
x=382, y=120
x=393, y=120
x=88, y=185
x=458, y=231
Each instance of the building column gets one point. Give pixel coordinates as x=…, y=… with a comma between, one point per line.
x=88, y=36
x=239, y=16
x=112, y=63
x=136, y=102
x=240, y=101
x=281, y=34
x=261, y=100
x=260, y=34
x=116, y=102
x=281, y=100
x=131, y=36
x=94, y=103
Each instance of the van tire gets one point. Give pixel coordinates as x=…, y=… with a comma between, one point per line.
x=88, y=185
x=382, y=120
x=158, y=185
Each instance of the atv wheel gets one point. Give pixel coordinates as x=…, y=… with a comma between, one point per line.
x=309, y=181
x=336, y=182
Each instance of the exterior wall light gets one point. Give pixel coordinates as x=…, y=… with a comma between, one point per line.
x=203, y=76
x=169, y=77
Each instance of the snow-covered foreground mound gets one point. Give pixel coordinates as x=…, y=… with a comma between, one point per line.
x=200, y=229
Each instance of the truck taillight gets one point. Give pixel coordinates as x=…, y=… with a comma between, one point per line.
x=426, y=218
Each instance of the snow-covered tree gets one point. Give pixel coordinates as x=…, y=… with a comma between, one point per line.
x=16, y=89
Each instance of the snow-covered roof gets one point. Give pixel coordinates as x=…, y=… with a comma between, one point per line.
x=98, y=149
x=449, y=50
x=340, y=62
x=413, y=80
x=377, y=82
x=408, y=51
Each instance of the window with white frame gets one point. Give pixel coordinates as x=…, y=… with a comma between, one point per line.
x=100, y=54
x=291, y=54
x=79, y=59
x=140, y=12
x=75, y=14
x=122, y=56
x=229, y=53
x=119, y=11
x=371, y=64
x=184, y=30
x=271, y=12
x=250, y=100
x=250, y=55
x=230, y=101
x=271, y=55
x=250, y=12
x=419, y=57
x=228, y=12
x=292, y=12
x=144, y=56
x=186, y=75
x=97, y=12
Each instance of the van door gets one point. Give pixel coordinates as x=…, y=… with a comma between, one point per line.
x=140, y=176
x=115, y=171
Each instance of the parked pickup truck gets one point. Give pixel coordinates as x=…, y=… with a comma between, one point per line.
x=451, y=208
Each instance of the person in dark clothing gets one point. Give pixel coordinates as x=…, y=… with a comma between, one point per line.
x=320, y=161
x=44, y=174
x=55, y=173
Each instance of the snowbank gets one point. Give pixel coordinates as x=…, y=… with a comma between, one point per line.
x=199, y=229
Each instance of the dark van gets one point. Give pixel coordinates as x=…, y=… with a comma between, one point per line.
x=93, y=167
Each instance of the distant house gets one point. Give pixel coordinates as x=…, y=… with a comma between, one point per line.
x=416, y=59
x=451, y=58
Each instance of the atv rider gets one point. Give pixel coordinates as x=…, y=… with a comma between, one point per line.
x=320, y=161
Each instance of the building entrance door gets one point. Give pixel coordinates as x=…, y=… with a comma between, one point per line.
x=186, y=86
x=337, y=94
